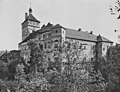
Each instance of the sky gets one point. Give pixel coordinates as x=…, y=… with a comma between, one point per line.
x=90, y=15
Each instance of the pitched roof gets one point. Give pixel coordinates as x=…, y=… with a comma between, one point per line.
x=4, y=54
x=42, y=30
x=105, y=39
x=57, y=26
x=70, y=33
x=32, y=18
x=31, y=36
x=1, y=53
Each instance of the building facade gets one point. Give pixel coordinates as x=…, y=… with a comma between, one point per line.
x=50, y=37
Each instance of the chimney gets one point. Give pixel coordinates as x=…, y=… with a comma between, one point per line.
x=26, y=14
x=43, y=26
x=49, y=24
x=79, y=29
x=91, y=32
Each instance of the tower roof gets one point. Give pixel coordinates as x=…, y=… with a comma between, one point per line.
x=31, y=17
x=30, y=10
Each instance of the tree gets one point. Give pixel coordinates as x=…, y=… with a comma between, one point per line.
x=3, y=70
x=77, y=74
x=115, y=8
x=67, y=70
x=37, y=66
x=2, y=86
x=110, y=69
x=37, y=58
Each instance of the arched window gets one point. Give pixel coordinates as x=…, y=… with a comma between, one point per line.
x=41, y=46
x=103, y=48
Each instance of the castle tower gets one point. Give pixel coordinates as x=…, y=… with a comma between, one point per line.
x=29, y=25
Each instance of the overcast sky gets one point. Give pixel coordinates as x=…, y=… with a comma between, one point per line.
x=90, y=15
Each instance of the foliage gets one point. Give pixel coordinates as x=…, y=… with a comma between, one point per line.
x=76, y=75
x=65, y=71
x=115, y=8
x=110, y=69
x=2, y=86
x=3, y=70
x=37, y=58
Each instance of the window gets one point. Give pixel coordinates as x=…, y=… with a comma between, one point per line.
x=56, y=46
x=56, y=41
x=56, y=31
x=44, y=36
x=74, y=46
x=49, y=34
x=35, y=23
x=41, y=46
x=49, y=44
x=103, y=48
x=39, y=37
x=91, y=59
x=93, y=47
x=107, y=47
x=60, y=40
x=80, y=47
x=45, y=45
x=84, y=47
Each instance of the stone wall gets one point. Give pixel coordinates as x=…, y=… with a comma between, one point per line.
x=86, y=48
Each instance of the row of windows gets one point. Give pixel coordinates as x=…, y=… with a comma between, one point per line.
x=49, y=44
x=33, y=23
x=47, y=35
x=75, y=46
x=106, y=48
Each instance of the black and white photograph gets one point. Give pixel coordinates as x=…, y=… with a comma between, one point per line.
x=59, y=45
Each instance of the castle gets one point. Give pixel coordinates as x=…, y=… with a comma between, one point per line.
x=49, y=37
